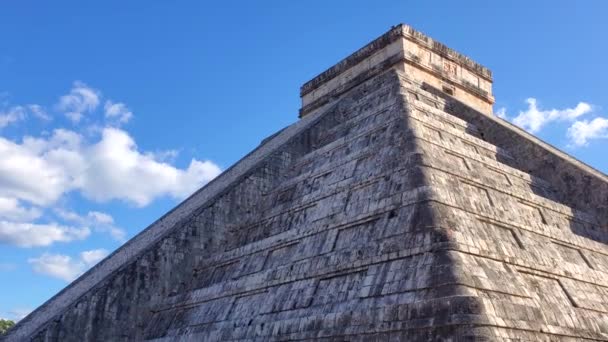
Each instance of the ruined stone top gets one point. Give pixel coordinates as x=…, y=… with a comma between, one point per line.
x=428, y=62
x=387, y=38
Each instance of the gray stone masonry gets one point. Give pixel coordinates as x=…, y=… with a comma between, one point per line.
x=392, y=211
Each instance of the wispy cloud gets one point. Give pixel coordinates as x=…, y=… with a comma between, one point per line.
x=534, y=119
x=11, y=115
x=65, y=267
x=117, y=112
x=92, y=257
x=167, y=156
x=39, y=112
x=98, y=221
x=14, y=114
x=11, y=209
x=81, y=100
x=581, y=132
x=24, y=234
x=501, y=113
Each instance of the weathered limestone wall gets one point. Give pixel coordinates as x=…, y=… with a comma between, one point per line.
x=527, y=224
x=391, y=211
x=330, y=237
x=576, y=184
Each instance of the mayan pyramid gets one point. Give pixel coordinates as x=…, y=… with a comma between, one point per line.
x=398, y=208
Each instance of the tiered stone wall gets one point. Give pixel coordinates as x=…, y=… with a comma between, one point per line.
x=328, y=238
x=527, y=223
x=391, y=211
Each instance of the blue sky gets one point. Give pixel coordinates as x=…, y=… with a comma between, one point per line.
x=113, y=111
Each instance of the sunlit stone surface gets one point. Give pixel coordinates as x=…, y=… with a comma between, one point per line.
x=397, y=209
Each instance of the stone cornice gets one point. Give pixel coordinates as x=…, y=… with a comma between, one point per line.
x=395, y=33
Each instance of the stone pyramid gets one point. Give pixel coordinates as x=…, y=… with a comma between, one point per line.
x=398, y=208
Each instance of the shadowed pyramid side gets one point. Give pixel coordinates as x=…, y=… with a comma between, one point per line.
x=527, y=222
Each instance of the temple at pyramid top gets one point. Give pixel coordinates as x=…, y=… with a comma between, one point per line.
x=424, y=59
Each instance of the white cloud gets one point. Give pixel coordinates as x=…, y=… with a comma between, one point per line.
x=501, y=113
x=11, y=209
x=12, y=115
x=34, y=235
x=189, y=180
x=98, y=221
x=69, y=216
x=81, y=100
x=117, y=170
x=165, y=155
x=18, y=113
x=533, y=119
x=117, y=111
x=100, y=217
x=92, y=257
x=102, y=164
x=40, y=170
x=37, y=172
x=39, y=112
x=65, y=267
x=582, y=131
x=57, y=266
